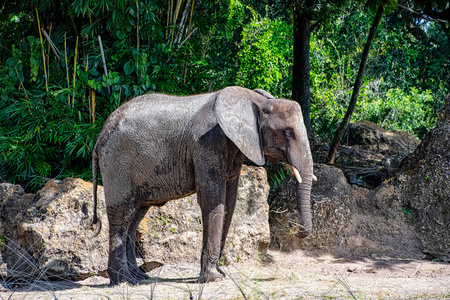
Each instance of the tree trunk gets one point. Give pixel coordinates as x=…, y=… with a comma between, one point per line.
x=301, y=71
x=358, y=82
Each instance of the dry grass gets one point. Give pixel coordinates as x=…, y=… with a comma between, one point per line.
x=290, y=276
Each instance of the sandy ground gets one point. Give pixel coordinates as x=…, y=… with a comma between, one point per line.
x=298, y=275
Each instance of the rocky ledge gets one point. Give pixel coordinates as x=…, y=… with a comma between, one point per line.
x=51, y=233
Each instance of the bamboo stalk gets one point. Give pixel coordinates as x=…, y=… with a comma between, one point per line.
x=93, y=106
x=52, y=45
x=23, y=87
x=48, y=51
x=174, y=22
x=169, y=17
x=188, y=30
x=89, y=103
x=137, y=37
x=190, y=18
x=184, y=41
x=67, y=66
x=183, y=22
x=177, y=11
x=43, y=54
x=74, y=71
x=358, y=83
x=104, y=63
x=86, y=69
x=48, y=39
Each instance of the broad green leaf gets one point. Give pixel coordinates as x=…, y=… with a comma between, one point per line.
x=129, y=67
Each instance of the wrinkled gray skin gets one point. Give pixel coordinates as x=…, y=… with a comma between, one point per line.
x=156, y=148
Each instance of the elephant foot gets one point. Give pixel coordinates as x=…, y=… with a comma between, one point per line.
x=210, y=276
x=116, y=277
x=139, y=274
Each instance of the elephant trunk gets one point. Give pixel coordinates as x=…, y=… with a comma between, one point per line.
x=304, y=207
x=303, y=171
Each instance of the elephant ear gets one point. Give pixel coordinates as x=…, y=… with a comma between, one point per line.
x=264, y=93
x=238, y=118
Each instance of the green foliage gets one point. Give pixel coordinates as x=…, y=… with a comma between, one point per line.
x=409, y=111
x=50, y=131
x=265, y=56
x=404, y=83
x=278, y=176
x=41, y=135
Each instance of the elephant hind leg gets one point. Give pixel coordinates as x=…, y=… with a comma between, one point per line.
x=118, y=270
x=131, y=245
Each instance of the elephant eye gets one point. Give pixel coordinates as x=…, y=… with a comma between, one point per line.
x=288, y=134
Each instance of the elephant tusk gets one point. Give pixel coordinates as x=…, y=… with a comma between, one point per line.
x=314, y=177
x=296, y=174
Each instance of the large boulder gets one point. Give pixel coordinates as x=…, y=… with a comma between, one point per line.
x=424, y=188
x=346, y=218
x=51, y=232
x=12, y=203
x=369, y=136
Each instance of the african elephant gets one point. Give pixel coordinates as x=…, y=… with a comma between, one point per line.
x=157, y=148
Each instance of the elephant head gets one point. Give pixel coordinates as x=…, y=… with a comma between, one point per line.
x=262, y=126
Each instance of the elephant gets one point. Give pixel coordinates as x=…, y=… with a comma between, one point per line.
x=156, y=148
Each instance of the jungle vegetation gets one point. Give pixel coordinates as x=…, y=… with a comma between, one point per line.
x=66, y=65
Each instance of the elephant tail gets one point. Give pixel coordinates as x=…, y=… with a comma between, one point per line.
x=94, y=182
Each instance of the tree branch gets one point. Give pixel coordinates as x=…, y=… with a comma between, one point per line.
x=421, y=15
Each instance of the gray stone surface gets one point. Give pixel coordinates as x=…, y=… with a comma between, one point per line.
x=53, y=231
x=424, y=188
x=369, y=136
x=346, y=218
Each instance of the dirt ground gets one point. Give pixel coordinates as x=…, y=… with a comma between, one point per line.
x=298, y=275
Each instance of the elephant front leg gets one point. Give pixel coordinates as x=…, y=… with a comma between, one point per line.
x=212, y=217
x=230, y=204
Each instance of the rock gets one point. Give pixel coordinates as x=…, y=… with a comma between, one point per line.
x=424, y=188
x=174, y=231
x=329, y=213
x=346, y=218
x=54, y=232
x=369, y=136
x=51, y=233
x=13, y=204
x=443, y=116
